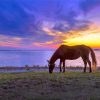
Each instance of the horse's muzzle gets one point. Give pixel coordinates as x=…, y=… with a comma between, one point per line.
x=50, y=71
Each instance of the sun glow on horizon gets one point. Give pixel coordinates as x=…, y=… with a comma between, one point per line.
x=89, y=37
x=92, y=40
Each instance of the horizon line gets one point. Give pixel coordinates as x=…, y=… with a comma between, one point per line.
x=35, y=49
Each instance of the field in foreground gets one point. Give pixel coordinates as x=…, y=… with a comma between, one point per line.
x=45, y=86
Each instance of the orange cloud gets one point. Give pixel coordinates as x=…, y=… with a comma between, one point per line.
x=48, y=31
x=90, y=36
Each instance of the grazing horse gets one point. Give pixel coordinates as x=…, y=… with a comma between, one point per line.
x=65, y=52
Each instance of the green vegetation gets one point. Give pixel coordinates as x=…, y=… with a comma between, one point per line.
x=45, y=86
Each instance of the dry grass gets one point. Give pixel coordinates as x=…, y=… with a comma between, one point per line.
x=45, y=86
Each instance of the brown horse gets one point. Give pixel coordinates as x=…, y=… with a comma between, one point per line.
x=72, y=52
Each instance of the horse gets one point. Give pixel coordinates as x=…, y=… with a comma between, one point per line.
x=65, y=52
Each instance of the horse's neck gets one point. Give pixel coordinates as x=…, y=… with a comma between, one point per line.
x=54, y=58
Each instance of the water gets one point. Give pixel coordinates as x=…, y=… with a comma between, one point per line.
x=21, y=58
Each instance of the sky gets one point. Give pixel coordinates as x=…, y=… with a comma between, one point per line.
x=46, y=24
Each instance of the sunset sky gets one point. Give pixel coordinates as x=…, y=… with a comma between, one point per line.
x=46, y=24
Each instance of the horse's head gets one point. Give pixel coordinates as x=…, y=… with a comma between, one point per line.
x=51, y=66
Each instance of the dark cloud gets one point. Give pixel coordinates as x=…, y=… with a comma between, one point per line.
x=87, y=5
x=60, y=27
x=83, y=25
x=71, y=22
x=14, y=20
x=78, y=25
x=24, y=18
x=11, y=15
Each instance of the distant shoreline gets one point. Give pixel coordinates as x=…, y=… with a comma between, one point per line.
x=41, y=68
x=95, y=49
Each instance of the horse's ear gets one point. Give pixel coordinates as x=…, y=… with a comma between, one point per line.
x=48, y=61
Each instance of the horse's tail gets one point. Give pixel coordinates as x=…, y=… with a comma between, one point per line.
x=94, y=61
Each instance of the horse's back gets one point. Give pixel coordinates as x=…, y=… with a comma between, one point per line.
x=73, y=52
x=78, y=47
x=83, y=48
x=68, y=52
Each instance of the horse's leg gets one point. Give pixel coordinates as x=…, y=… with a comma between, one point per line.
x=60, y=66
x=64, y=66
x=85, y=64
x=89, y=62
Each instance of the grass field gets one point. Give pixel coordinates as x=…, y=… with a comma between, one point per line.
x=45, y=86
